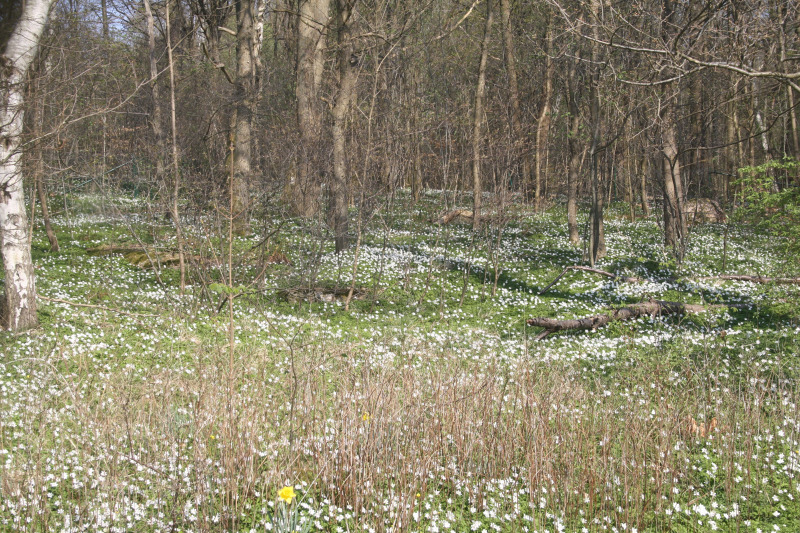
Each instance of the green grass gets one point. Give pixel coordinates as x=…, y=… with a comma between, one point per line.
x=493, y=429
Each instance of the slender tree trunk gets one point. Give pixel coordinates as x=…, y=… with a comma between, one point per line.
x=733, y=149
x=104, y=9
x=575, y=156
x=176, y=178
x=520, y=138
x=543, y=125
x=786, y=20
x=38, y=170
x=793, y=119
x=643, y=186
x=738, y=129
x=311, y=38
x=18, y=308
x=348, y=73
x=480, y=91
x=597, y=244
x=417, y=182
x=630, y=166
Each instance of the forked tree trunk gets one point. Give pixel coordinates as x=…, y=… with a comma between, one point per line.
x=672, y=183
x=311, y=40
x=18, y=309
x=480, y=91
x=348, y=73
x=674, y=216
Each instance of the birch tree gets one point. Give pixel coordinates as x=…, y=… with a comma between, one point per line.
x=18, y=310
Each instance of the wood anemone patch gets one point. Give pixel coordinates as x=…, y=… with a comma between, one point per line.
x=137, y=255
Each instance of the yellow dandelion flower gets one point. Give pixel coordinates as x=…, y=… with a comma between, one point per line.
x=287, y=494
x=366, y=417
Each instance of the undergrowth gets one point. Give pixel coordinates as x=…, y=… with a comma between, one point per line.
x=426, y=405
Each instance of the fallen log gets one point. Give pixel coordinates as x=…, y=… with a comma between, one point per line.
x=463, y=215
x=625, y=279
x=753, y=279
x=651, y=308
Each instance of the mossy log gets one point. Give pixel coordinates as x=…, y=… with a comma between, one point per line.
x=137, y=255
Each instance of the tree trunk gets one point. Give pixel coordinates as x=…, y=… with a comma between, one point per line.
x=643, y=186
x=672, y=183
x=574, y=160
x=176, y=178
x=311, y=38
x=245, y=91
x=156, y=113
x=789, y=90
x=520, y=141
x=18, y=309
x=38, y=169
x=543, y=125
x=674, y=216
x=597, y=241
x=477, y=121
x=104, y=10
x=348, y=73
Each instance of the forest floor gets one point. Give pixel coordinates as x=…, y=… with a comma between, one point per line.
x=427, y=405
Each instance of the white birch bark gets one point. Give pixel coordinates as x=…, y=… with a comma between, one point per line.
x=18, y=309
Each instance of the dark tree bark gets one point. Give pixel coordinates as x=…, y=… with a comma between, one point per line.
x=348, y=66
